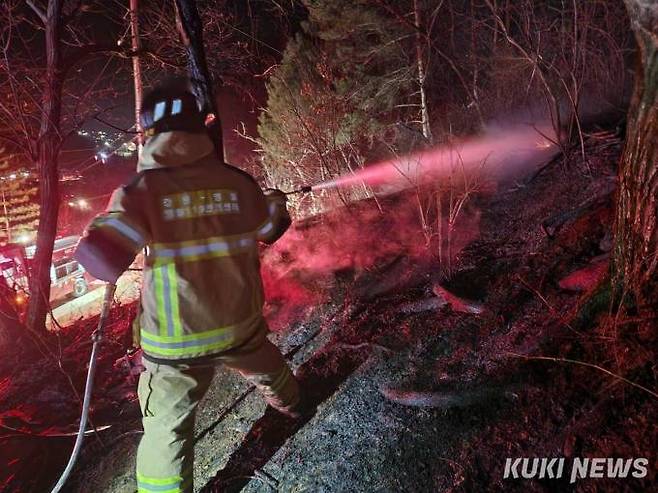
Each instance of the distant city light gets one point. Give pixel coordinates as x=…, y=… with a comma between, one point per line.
x=79, y=203
x=109, y=144
x=70, y=177
x=16, y=175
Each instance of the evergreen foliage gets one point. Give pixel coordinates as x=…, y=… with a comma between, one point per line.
x=338, y=94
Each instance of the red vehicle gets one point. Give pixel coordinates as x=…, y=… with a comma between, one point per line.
x=67, y=277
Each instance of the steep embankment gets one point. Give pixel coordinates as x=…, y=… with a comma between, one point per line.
x=441, y=391
x=459, y=390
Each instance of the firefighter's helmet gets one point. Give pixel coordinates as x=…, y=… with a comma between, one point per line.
x=171, y=106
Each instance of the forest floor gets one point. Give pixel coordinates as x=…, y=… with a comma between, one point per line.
x=425, y=378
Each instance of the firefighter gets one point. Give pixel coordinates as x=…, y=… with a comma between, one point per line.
x=201, y=221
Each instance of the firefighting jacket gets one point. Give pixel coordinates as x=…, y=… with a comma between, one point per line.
x=200, y=221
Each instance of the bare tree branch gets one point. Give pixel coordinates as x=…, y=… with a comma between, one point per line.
x=37, y=10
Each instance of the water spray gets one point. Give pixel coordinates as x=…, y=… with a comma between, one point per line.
x=500, y=153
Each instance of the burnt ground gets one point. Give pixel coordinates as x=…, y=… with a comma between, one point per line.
x=425, y=379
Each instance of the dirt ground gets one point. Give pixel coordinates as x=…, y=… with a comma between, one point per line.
x=424, y=379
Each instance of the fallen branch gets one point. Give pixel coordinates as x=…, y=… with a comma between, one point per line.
x=443, y=399
x=364, y=344
x=18, y=431
x=548, y=305
x=589, y=365
x=456, y=303
x=553, y=224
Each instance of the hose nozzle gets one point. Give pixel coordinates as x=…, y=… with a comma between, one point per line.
x=304, y=189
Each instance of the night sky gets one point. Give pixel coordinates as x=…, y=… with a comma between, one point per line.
x=238, y=106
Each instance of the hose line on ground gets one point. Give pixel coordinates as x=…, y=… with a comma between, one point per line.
x=96, y=338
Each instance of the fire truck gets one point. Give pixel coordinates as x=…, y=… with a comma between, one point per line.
x=67, y=277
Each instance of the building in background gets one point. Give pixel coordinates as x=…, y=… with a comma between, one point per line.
x=19, y=209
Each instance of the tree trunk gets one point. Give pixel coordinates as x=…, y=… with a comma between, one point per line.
x=636, y=231
x=137, y=70
x=420, y=62
x=47, y=159
x=190, y=29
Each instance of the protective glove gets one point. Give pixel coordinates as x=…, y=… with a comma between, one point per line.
x=102, y=256
x=276, y=204
x=276, y=196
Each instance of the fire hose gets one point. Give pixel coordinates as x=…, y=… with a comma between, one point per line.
x=96, y=338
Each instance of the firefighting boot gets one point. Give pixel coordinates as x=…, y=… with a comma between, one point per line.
x=304, y=408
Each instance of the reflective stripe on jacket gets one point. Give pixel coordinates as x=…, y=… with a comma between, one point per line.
x=201, y=221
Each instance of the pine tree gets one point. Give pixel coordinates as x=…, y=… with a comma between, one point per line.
x=19, y=210
x=346, y=85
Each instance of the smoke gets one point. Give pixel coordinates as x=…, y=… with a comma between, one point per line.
x=301, y=268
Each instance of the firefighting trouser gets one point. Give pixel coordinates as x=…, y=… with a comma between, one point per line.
x=168, y=397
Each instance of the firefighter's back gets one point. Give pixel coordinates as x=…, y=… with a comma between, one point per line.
x=202, y=297
x=202, y=286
